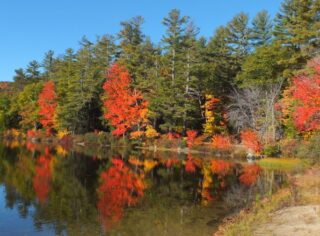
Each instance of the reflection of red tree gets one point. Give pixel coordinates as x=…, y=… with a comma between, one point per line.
x=190, y=166
x=42, y=178
x=120, y=187
x=220, y=167
x=171, y=162
x=250, y=175
x=30, y=146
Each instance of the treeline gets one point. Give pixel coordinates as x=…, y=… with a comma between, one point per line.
x=227, y=83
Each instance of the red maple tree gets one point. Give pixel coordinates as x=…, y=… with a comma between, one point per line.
x=125, y=107
x=306, y=91
x=48, y=104
x=301, y=100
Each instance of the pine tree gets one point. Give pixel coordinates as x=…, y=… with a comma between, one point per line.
x=297, y=26
x=261, y=32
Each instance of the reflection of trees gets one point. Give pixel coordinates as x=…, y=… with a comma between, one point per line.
x=70, y=201
x=42, y=178
x=69, y=192
x=120, y=187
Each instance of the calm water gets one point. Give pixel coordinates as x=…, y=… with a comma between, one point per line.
x=55, y=191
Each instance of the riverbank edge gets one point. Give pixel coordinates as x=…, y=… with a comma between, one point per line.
x=205, y=149
x=260, y=212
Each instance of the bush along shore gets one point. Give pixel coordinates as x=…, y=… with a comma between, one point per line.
x=219, y=146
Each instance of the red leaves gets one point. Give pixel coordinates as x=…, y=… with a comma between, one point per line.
x=221, y=167
x=190, y=166
x=250, y=139
x=42, y=178
x=173, y=135
x=250, y=175
x=301, y=101
x=125, y=108
x=221, y=142
x=306, y=91
x=31, y=133
x=191, y=136
x=120, y=187
x=48, y=104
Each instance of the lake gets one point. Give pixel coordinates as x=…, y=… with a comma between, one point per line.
x=55, y=190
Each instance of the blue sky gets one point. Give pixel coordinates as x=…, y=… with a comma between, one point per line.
x=29, y=28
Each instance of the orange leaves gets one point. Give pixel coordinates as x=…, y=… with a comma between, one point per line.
x=31, y=133
x=125, y=108
x=301, y=101
x=221, y=167
x=173, y=135
x=42, y=178
x=250, y=175
x=306, y=91
x=120, y=187
x=250, y=139
x=221, y=142
x=190, y=165
x=191, y=136
x=48, y=104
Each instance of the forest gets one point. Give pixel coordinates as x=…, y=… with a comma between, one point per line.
x=256, y=80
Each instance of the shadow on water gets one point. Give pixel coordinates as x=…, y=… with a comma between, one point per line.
x=56, y=190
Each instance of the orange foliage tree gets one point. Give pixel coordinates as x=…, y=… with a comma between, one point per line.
x=222, y=142
x=124, y=107
x=47, y=103
x=120, y=187
x=250, y=139
x=301, y=101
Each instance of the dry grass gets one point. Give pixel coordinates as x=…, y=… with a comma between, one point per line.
x=304, y=190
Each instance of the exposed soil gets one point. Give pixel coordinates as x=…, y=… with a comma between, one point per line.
x=300, y=220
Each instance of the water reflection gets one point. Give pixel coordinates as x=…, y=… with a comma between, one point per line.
x=62, y=191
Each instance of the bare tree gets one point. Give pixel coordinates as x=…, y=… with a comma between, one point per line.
x=253, y=107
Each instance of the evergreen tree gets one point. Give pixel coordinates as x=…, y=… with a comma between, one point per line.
x=261, y=32
x=33, y=71
x=131, y=46
x=172, y=84
x=48, y=65
x=297, y=26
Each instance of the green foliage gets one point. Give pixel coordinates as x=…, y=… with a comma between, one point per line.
x=297, y=26
x=265, y=66
x=25, y=104
x=271, y=150
x=174, y=76
x=310, y=149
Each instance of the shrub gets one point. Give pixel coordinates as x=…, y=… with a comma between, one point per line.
x=91, y=138
x=221, y=142
x=250, y=139
x=191, y=136
x=271, y=150
x=310, y=149
x=151, y=132
x=289, y=147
